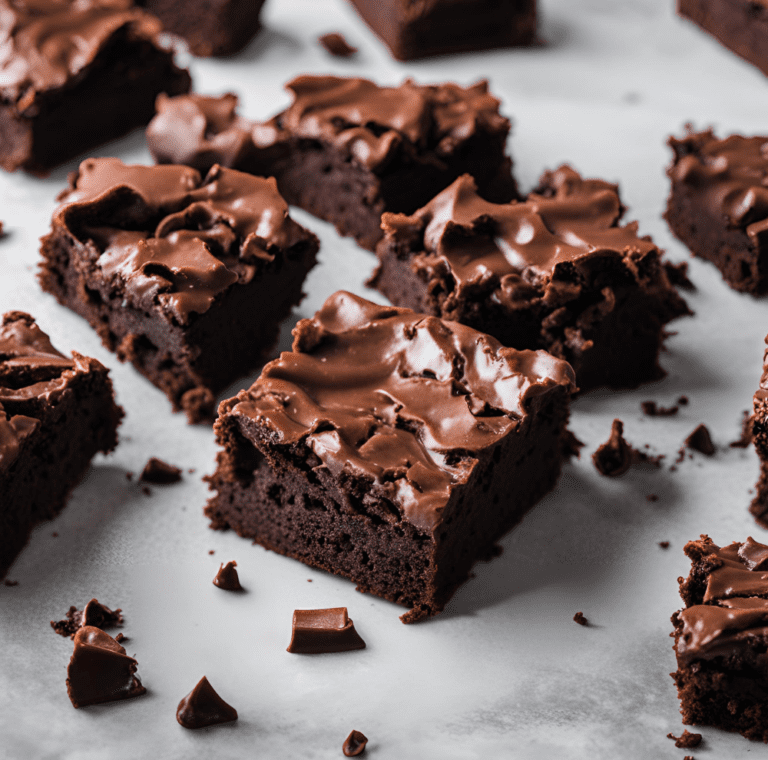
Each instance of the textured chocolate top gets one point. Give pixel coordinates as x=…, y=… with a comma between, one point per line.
x=735, y=608
x=165, y=237
x=46, y=42
x=728, y=178
x=404, y=401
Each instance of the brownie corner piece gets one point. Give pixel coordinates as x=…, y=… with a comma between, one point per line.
x=76, y=76
x=390, y=447
x=721, y=637
x=187, y=277
x=56, y=413
x=558, y=272
x=413, y=31
x=718, y=204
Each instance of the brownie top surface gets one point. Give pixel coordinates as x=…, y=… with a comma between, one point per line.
x=397, y=398
x=727, y=177
x=47, y=42
x=166, y=237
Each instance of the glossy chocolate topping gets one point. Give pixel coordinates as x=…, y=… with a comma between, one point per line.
x=396, y=398
x=204, y=707
x=171, y=239
x=46, y=42
x=324, y=632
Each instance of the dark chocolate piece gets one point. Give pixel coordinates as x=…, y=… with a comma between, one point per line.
x=354, y=745
x=652, y=409
x=686, y=740
x=227, y=577
x=323, y=631
x=745, y=439
x=664, y=544
x=558, y=272
x=158, y=472
x=94, y=614
x=204, y=707
x=580, y=619
x=187, y=278
x=390, y=447
x=100, y=670
x=615, y=456
x=336, y=44
x=700, y=440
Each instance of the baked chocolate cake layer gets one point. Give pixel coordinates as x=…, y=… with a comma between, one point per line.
x=557, y=272
x=758, y=430
x=55, y=415
x=185, y=277
x=390, y=447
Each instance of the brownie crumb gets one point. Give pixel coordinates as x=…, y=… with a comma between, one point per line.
x=664, y=544
x=146, y=491
x=337, y=45
x=191, y=470
x=683, y=401
x=354, y=744
x=129, y=476
x=309, y=580
x=11, y=583
x=652, y=497
x=211, y=551
x=572, y=446
x=678, y=275
x=686, y=740
x=120, y=638
x=743, y=441
x=94, y=614
x=54, y=534
x=700, y=440
x=652, y=409
x=158, y=472
x=615, y=456
x=227, y=577
x=580, y=619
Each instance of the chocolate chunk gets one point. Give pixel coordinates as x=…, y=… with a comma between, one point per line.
x=614, y=457
x=753, y=554
x=323, y=631
x=580, y=619
x=158, y=472
x=652, y=409
x=146, y=491
x=93, y=614
x=652, y=497
x=100, y=670
x=354, y=744
x=678, y=275
x=204, y=707
x=336, y=45
x=227, y=577
x=664, y=544
x=745, y=439
x=701, y=441
x=686, y=740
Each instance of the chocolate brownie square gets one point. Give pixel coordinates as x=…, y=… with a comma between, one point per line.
x=420, y=30
x=390, y=447
x=186, y=277
x=55, y=414
x=740, y=25
x=721, y=638
x=75, y=75
x=718, y=205
x=557, y=272
x=347, y=150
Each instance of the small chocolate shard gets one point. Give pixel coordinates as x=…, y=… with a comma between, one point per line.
x=678, y=275
x=204, y=707
x=754, y=555
x=614, y=457
x=686, y=740
x=100, y=670
x=129, y=475
x=664, y=544
x=211, y=551
x=700, y=440
x=745, y=439
x=336, y=44
x=580, y=619
x=354, y=744
x=54, y=534
x=227, y=577
x=324, y=631
x=10, y=583
x=652, y=409
x=93, y=614
x=159, y=473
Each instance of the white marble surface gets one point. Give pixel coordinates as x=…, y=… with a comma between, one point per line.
x=504, y=672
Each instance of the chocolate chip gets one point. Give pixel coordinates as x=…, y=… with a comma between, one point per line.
x=700, y=440
x=93, y=614
x=323, y=631
x=354, y=744
x=614, y=457
x=227, y=577
x=160, y=473
x=336, y=45
x=664, y=544
x=204, y=707
x=580, y=619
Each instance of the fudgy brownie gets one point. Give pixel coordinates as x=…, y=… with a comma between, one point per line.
x=210, y=27
x=419, y=30
x=721, y=638
x=75, y=75
x=347, y=150
x=55, y=414
x=718, y=205
x=557, y=272
x=390, y=447
x=187, y=278
x=757, y=428
x=740, y=25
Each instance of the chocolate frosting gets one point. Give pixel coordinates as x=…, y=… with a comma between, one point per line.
x=169, y=238
x=324, y=632
x=403, y=401
x=46, y=42
x=204, y=707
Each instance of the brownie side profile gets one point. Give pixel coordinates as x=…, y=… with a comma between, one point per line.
x=757, y=428
x=76, y=75
x=557, y=272
x=421, y=30
x=740, y=25
x=210, y=27
x=347, y=150
x=718, y=206
x=391, y=448
x=185, y=277
x=721, y=638
x=55, y=415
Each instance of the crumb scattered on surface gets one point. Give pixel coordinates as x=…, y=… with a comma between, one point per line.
x=8, y=582
x=309, y=580
x=94, y=614
x=191, y=470
x=678, y=275
x=211, y=551
x=652, y=497
x=664, y=544
x=158, y=472
x=129, y=476
x=652, y=409
x=700, y=440
x=146, y=491
x=336, y=44
x=745, y=438
x=686, y=740
x=120, y=638
x=682, y=401
x=580, y=619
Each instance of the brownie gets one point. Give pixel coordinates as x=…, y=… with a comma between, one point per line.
x=210, y=27
x=756, y=431
x=390, y=447
x=441, y=27
x=718, y=205
x=740, y=25
x=347, y=150
x=186, y=277
x=56, y=413
x=76, y=75
x=721, y=638
x=557, y=272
